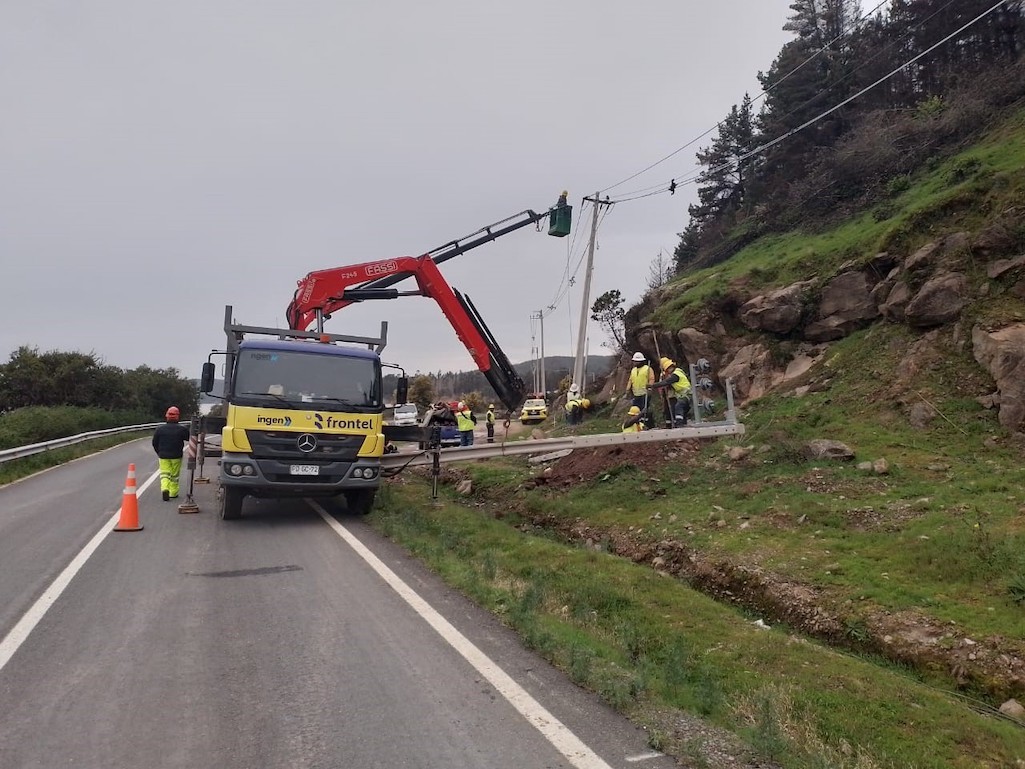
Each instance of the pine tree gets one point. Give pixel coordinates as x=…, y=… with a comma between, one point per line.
x=723, y=183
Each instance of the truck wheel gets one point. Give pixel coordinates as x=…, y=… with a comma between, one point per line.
x=231, y=503
x=360, y=501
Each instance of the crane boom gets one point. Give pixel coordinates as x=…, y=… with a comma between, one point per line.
x=322, y=292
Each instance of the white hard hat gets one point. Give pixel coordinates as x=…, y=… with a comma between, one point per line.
x=638, y=357
x=574, y=387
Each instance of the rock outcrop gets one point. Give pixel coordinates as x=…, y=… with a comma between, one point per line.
x=782, y=334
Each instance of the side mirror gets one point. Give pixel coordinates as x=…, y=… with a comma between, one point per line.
x=401, y=389
x=206, y=381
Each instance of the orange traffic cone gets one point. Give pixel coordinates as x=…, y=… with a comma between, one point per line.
x=129, y=520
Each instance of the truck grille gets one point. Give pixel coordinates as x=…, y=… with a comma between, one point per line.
x=269, y=444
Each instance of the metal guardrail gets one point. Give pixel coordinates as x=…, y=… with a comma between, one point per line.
x=549, y=445
x=6, y=455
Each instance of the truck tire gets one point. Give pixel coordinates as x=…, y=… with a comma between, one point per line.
x=231, y=503
x=360, y=501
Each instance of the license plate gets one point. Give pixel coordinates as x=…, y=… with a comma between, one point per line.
x=304, y=469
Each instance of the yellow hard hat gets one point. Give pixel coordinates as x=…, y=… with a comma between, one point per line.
x=634, y=411
x=585, y=403
x=565, y=193
x=667, y=363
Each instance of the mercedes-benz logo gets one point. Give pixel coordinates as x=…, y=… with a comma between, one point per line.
x=306, y=443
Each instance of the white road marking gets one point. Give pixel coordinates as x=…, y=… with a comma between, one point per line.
x=561, y=738
x=14, y=639
x=644, y=756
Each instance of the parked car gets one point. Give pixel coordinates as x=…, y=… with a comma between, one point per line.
x=534, y=410
x=405, y=415
x=450, y=435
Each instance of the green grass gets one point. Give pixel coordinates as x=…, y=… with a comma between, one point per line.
x=650, y=646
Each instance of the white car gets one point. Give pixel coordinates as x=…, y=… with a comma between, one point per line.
x=405, y=415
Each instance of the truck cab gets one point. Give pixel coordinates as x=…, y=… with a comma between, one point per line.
x=304, y=417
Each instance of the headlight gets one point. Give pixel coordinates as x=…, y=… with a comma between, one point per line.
x=235, y=469
x=249, y=470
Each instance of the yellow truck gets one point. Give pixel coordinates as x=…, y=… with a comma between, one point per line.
x=304, y=415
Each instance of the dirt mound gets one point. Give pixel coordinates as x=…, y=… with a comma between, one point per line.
x=591, y=464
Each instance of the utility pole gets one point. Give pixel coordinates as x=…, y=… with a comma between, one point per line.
x=544, y=379
x=585, y=302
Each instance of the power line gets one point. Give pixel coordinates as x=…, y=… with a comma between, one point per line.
x=768, y=145
x=663, y=186
x=811, y=58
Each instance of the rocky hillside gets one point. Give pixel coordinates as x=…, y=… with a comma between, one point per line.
x=950, y=266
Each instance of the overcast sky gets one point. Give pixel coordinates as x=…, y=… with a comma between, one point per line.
x=161, y=160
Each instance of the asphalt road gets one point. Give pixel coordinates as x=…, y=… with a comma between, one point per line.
x=285, y=639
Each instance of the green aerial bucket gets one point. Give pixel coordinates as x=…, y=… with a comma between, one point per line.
x=560, y=221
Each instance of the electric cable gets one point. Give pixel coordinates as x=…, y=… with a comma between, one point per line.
x=673, y=184
x=755, y=99
x=768, y=145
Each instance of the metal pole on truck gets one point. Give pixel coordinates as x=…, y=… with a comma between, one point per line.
x=200, y=478
x=189, y=506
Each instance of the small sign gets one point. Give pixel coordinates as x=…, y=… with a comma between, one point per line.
x=304, y=470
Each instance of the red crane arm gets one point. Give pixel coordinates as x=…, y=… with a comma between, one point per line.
x=322, y=292
x=325, y=291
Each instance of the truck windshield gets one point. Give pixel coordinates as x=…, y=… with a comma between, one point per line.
x=276, y=377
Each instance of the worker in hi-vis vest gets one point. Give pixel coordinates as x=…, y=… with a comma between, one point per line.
x=489, y=420
x=641, y=378
x=678, y=388
x=465, y=422
x=634, y=422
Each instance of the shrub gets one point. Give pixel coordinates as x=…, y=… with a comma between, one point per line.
x=35, y=424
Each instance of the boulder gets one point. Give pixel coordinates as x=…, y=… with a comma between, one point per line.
x=926, y=256
x=1002, y=353
x=846, y=304
x=752, y=371
x=896, y=301
x=939, y=301
x=997, y=238
x=999, y=267
x=778, y=312
x=697, y=345
x=823, y=448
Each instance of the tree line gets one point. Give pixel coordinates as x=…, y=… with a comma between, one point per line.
x=750, y=184
x=59, y=379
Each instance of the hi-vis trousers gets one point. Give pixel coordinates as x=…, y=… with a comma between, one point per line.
x=170, y=470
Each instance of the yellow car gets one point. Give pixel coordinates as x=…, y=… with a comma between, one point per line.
x=534, y=410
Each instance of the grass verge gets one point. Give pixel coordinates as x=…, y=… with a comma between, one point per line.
x=652, y=647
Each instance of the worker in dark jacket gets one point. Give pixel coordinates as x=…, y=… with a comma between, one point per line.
x=678, y=389
x=168, y=442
